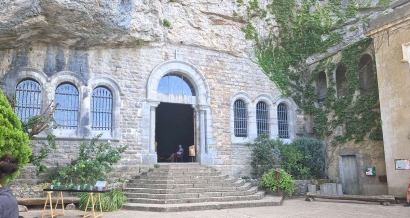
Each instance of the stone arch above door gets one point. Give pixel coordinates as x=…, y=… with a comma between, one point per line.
x=200, y=102
x=183, y=68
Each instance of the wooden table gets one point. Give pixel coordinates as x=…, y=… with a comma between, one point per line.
x=60, y=200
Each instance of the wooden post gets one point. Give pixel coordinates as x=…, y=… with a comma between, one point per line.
x=277, y=179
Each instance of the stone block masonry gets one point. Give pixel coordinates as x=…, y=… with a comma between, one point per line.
x=131, y=68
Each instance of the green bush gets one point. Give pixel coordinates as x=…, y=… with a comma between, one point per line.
x=292, y=161
x=313, y=155
x=12, y=138
x=110, y=201
x=95, y=160
x=285, y=183
x=304, y=158
x=263, y=150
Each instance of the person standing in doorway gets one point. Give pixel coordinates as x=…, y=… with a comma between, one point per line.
x=8, y=203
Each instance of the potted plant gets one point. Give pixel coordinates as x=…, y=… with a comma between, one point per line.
x=278, y=178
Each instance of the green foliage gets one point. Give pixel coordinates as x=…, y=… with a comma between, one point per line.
x=95, y=160
x=383, y=3
x=263, y=150
x=110, y=201
x=250, y=31
x=309, y=29
x=35, y=125
x=285, y=183
x=313, y=154
x=292, y=161
x=12, y=138
x=300, y=36
x=254, y=5
x=166, y=23
x=42, y=152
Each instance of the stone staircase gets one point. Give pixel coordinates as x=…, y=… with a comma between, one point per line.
x=190, y=186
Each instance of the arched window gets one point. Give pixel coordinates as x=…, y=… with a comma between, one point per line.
x=101, y=109
x=28, y=99
x=240, y=119
x=341, y=81
x=262, y=118
x=176, y=84
x=366, y=74
x=321, y=86
x=283, y=123
x=66, y=114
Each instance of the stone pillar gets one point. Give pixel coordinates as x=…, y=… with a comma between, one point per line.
x=151, y=157
x=202, y=133
x=152, y=129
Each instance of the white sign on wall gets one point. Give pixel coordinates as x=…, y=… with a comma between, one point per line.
x=402, y=164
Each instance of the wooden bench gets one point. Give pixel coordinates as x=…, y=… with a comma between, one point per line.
x=383, y=199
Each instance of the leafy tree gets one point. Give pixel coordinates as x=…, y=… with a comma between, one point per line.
x=12, y=138
x=35, y=125
x=95, y=160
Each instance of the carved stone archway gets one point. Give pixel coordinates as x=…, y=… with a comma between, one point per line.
x=200, y=102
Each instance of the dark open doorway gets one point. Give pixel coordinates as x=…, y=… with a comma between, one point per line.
x=174, y=126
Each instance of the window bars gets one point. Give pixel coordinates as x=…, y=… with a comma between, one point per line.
x=262, y=118
x=240, y=119
x=101, y=109
x=176, y=84
x=66, y=114
x=28, y=99
x=283, y=124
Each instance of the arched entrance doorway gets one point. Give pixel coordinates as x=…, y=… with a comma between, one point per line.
x=174, y=126
x=194, y=93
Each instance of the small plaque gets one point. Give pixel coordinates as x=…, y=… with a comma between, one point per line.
x=402, y=164
x=179, y=55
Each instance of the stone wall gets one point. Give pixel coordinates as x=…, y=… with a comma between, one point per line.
x=391, y=40
x=130, y=68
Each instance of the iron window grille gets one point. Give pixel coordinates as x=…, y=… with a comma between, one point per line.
x=66, y=114
x=101, y=109
x=283, y=123
x=176, y=84
x=240, y=119
x=262, y=118
x=28, y=99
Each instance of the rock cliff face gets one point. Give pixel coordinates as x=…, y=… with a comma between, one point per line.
x=82, y=24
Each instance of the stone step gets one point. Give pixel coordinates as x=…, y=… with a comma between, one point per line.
x=182, y=194
x=160, y=186
x=168, y=184
x=244, y=187
x=174, y=171
x=182, y=180
x=256, y=196
x=162, y=191
x=178, y=174
x=267, y=201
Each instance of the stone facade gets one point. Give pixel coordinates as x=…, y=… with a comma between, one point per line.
x=132, y=75
x=391, y=42
x=125, y=47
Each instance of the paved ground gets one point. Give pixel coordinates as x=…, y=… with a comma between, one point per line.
x=295, y=208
